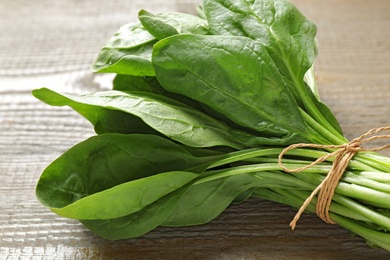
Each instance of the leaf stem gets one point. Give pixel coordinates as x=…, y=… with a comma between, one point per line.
x=328, y=135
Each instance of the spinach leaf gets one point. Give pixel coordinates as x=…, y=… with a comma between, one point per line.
x=166, y=116
x=115, y=121
x=167, y=24
x=202, y=206
x=116, y=169
x=278, y=25
x=126, y=198
x=234, y=76
x=203, y=202
x=151, y=84
x=287, y=35
x=138, y=223
x=169, y=117
x=104, y=120
x=127, y=52
x=198, y=202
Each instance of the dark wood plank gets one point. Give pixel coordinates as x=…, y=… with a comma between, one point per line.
x=354, y=79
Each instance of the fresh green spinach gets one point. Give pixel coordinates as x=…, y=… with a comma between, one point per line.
x=200, y=109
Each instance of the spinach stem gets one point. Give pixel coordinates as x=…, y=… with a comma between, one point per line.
x=321, y=130
x=376, y=237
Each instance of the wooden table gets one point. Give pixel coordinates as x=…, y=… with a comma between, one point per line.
x=52, y=43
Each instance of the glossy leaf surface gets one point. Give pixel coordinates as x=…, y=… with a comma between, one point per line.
x=233, y=75
x=288, y=36
x=128, y=171
x=167, y=116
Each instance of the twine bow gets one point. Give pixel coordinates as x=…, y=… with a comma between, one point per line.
x=343, y=154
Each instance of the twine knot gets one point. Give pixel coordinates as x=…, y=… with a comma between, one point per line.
x=343, y=154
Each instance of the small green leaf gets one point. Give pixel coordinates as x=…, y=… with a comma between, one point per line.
x=167, y=24
x=127, y=52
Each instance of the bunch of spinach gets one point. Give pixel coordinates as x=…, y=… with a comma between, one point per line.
x=200, y=109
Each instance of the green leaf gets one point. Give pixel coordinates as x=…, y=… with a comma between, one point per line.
x=278, y=25
x=167, y=24
x=166, y=116
x=127, y=52
x=150, y=84
x=105, y=120
x=139, y=223
x=198, y=202
x=288, y=36
x=234, y=76
x=115, y=121
x=126, y=198
x=203, y=202
x=83, y=182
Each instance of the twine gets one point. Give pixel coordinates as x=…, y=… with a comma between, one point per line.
x=343, y=154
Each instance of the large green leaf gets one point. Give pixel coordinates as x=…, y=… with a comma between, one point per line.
x=126, y=198
x=197, y=202
x=278, y=25
x=288, y=36
x=165, y=115
x=113, y=175
x=234, y=76
x=104, y=120
x=203, y=202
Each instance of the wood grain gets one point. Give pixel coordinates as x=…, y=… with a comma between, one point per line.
x=53, y=46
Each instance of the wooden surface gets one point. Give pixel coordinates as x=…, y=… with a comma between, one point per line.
x=52, y=43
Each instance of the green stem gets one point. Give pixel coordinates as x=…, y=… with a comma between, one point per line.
x=368, y=194
x=246, y=154
x=321, y=130
x=341, y=215
x=375, y=160
x=364, y=211
x=295, y=198
x=379, y=238
x=334, y=206
x=375, y=176
x=265, y=170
